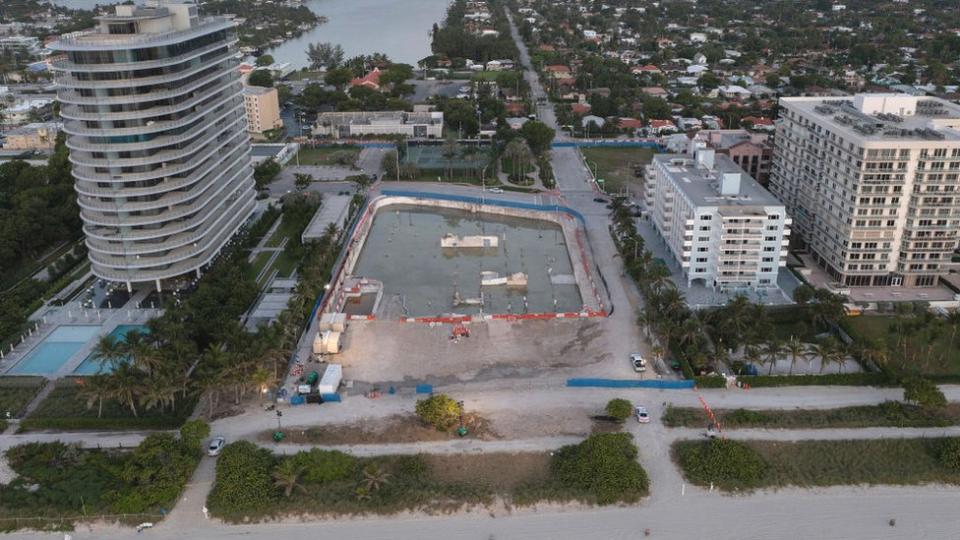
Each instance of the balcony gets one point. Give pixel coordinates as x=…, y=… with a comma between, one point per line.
x=208, y=126
x=172, y=214
x=239, y=137
x=84, y=190
x=142, y=82
x=158, y=158
x=74, y=127
x=169, y=200
x=179, y=269
x=72, y=97
x=68, y=66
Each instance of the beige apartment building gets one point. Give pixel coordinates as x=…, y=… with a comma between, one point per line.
x=263, y=109
x=40, y=136
x=871, y=182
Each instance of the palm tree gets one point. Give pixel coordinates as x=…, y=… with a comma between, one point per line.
x=109, y=351
x=794, y=347
x=648, y=320
x=287, y=477
x=752, y=354
x=658, y=276
x=953, y=321
x=95, y=388
x=374, y=478
x=824, y=350
x=261, y=379
x=159, y=392
x=771, y=352
x=127, y=385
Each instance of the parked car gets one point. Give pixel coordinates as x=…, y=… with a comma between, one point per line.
x=216, y=446
x=638, y=362
x=642, y=416
x=600, y=200
x=495, y=190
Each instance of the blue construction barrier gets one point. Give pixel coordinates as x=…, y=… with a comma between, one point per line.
x=630, y=383
x=609, y=144
x=327, y=398
x=424, y=388
x=486, y=200
x=297, y=400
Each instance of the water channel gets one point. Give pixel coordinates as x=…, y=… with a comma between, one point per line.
x=398, y=28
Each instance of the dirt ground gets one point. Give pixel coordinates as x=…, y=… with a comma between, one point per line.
x=400, y=428
x=499, y=471
x=396, y=353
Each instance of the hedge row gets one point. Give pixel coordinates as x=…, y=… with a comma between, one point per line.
x=711, y=381
x=830, y=379
x=85, y=423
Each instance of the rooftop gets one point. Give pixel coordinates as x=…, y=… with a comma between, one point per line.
x=884, y=116
x=701, y=184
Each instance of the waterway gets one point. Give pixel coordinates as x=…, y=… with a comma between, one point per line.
x=398, y=28
x=403, y=251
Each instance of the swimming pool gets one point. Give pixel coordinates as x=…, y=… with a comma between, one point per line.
x=92, y=365
x=55, y=349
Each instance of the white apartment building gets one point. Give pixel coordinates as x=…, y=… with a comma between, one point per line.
x=871, y=181
x=721, y=226
x=152, y=106
x=345, y=125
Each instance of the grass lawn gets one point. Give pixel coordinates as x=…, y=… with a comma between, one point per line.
x=615, y=165
x=485, y=75
x=258, y=263
x=832, y=463
x=889, y=414
x=66, y=408
x=325, y=155
x=16, y=393
x=880, y=327
x=285, y=265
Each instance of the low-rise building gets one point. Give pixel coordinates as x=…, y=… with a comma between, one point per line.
x=419, y=125
x=40, y=136
x=262, y=106
x=724, y=230
x=751, y=151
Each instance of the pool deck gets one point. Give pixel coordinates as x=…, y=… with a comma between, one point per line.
x=48, y=319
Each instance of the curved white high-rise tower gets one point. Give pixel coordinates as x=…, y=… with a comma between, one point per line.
x=152, y=105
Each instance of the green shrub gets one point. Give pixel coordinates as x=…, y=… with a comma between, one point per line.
x=155, y=474
x=924, y=393
x=746, y=417
x=244, y=482
x=193, y=433
x=439, y=410
x=950, y=454
x=603, y=467
x=619, y=408
x=324, y=466
x=731, y=464
x=831, y=379
x=711, y=381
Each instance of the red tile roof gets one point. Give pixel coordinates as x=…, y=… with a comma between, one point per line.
x=371, y=80
x=580, y=108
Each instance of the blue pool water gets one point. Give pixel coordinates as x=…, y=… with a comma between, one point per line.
x=55, y=349
x=92, y=365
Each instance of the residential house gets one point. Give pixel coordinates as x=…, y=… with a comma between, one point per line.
x=370, y=80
